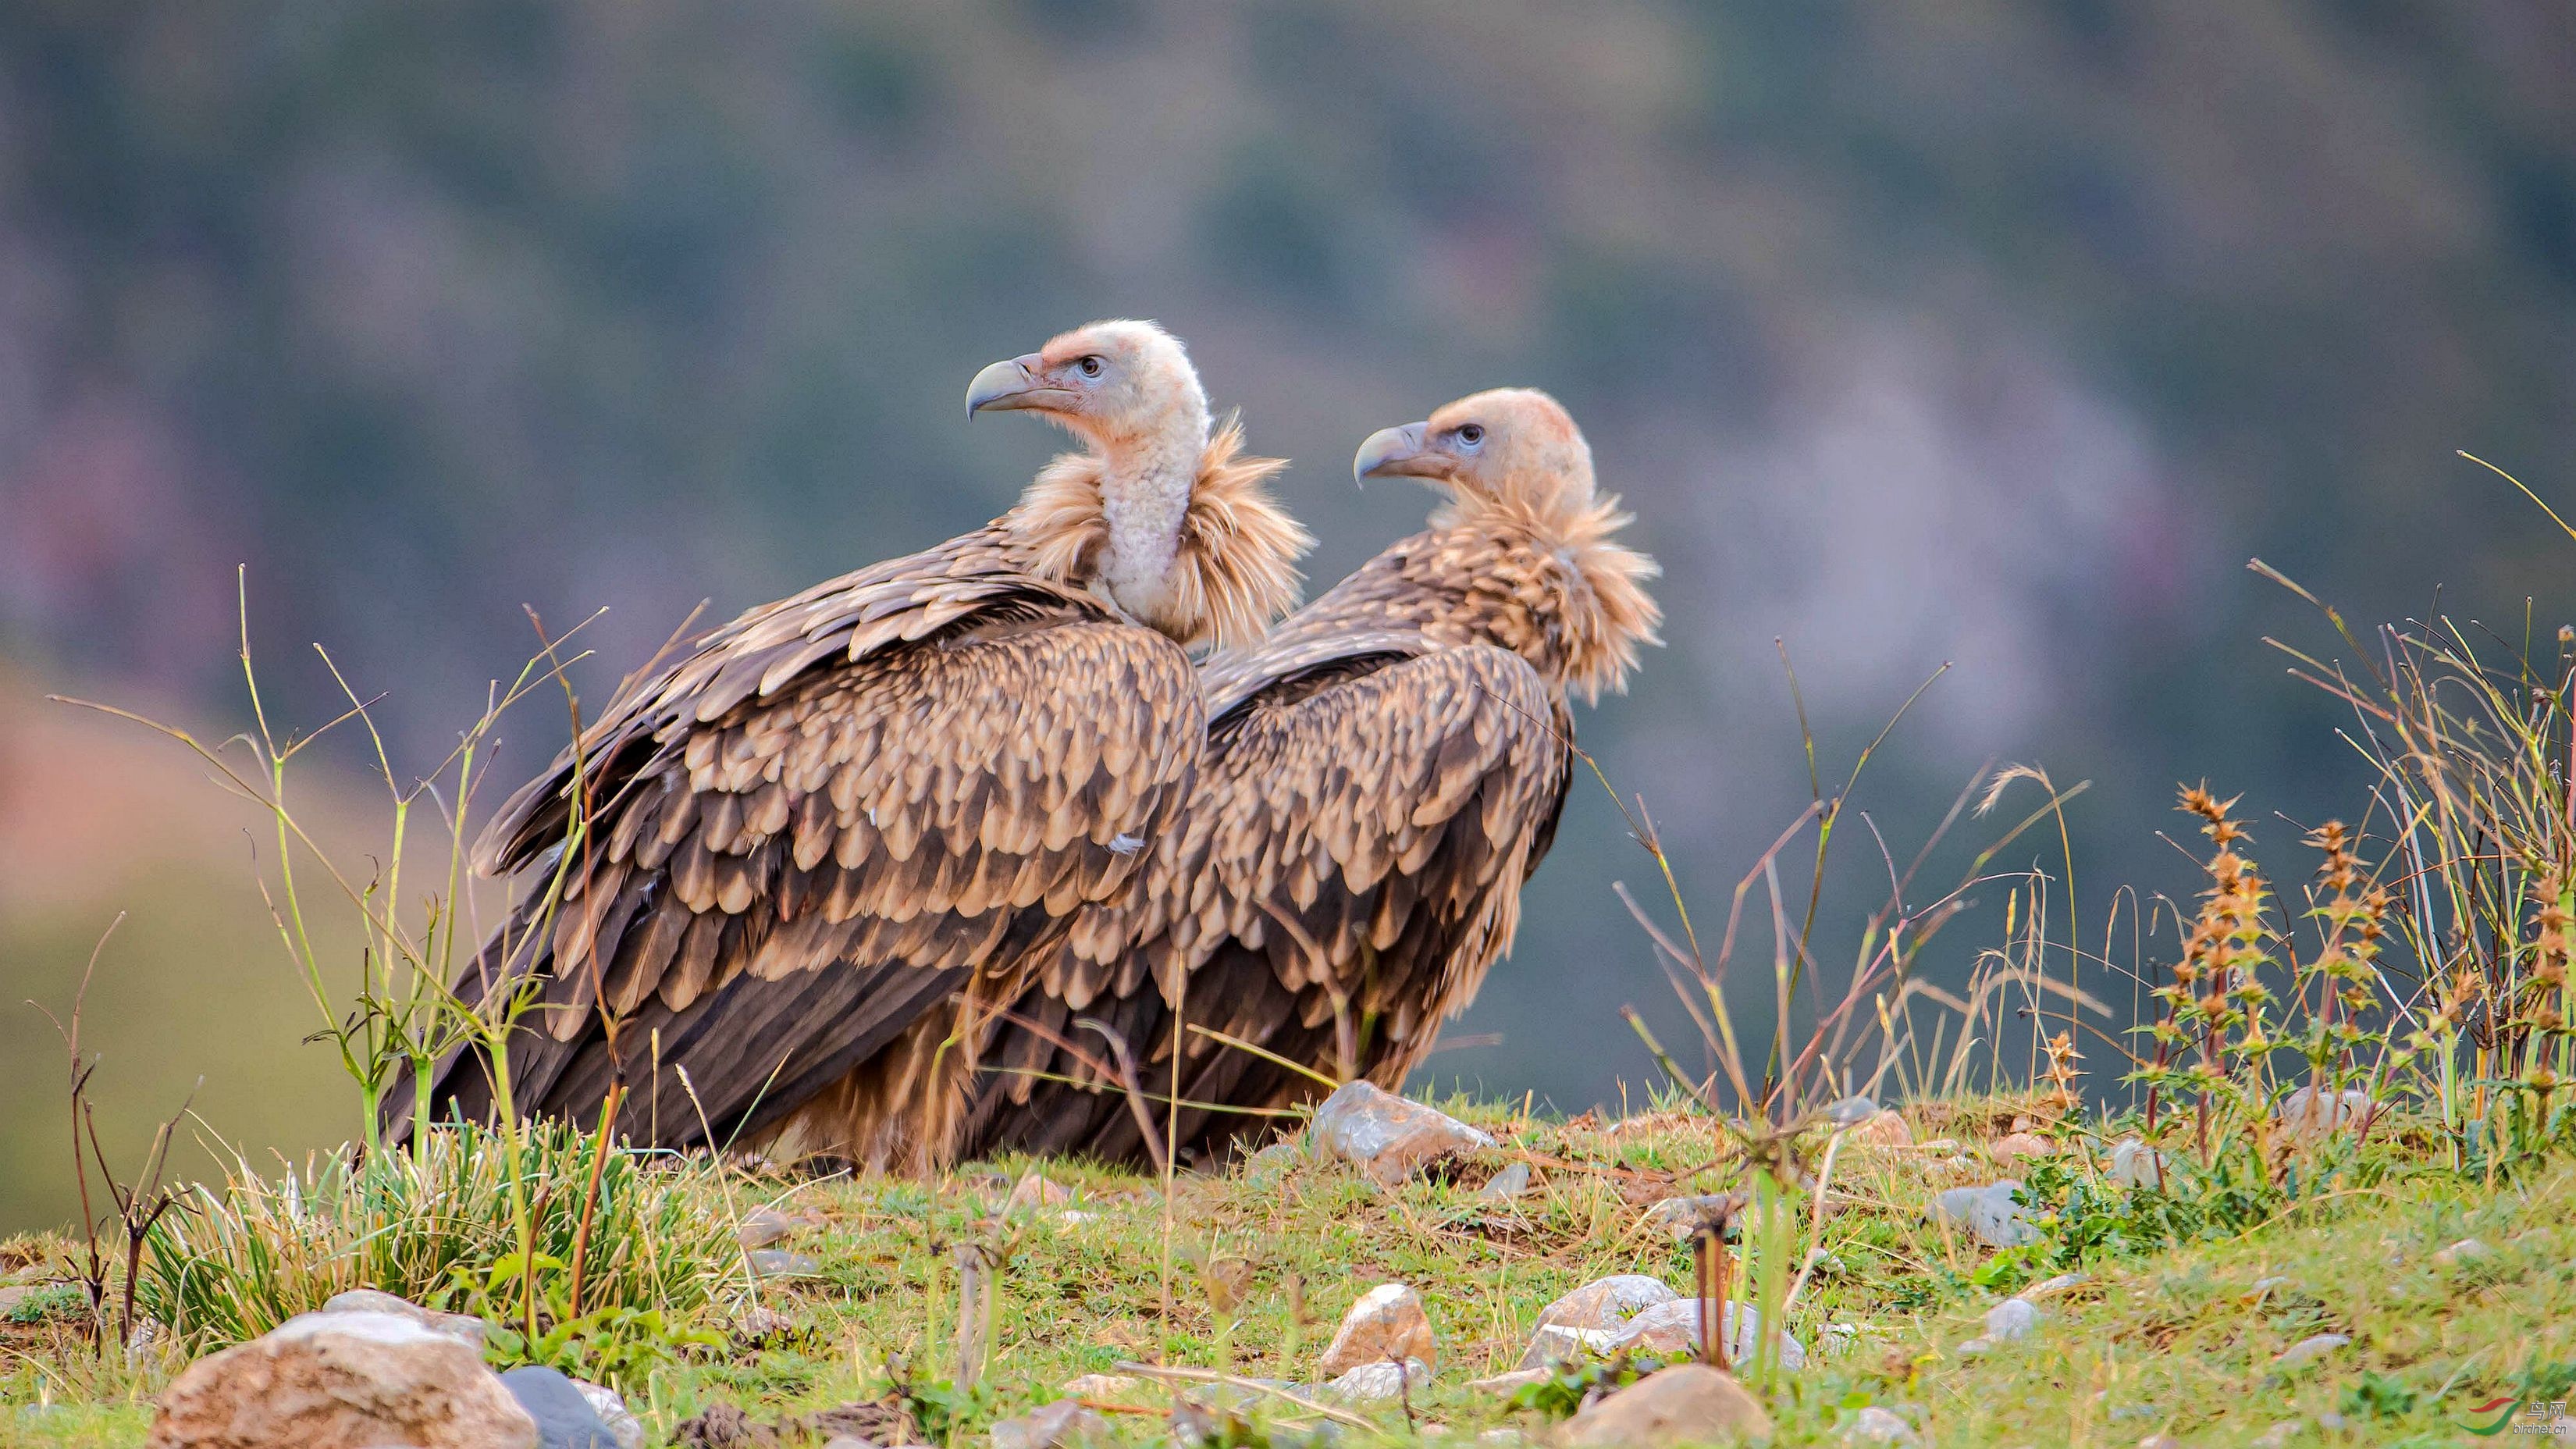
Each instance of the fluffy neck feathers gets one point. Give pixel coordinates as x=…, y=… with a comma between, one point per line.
x=1595, y=596
x=1180, y=532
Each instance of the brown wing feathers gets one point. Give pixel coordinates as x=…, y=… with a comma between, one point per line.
x=925, y=799
x=1347, y=868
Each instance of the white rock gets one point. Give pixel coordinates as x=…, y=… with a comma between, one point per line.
x=1386, y=1323
x=1989, y=1212
x=2012, y=1319
x=1684, y=1218
x=1379, y=1383
x=1688, y=1403
x=1874, y=1425
x=2015, y=1146
x=2466, y=1250
x=1673, y=1328
x=1607, y=1302
x=1097, y=1386
x=347, y=1380
x=465, y=1328
x=1850, y=1111
x=1887, y=1129
x=1507, y=1184
x=1385, y=1136
x=1051, y=1426
x=2051, y=1287
x=611, y=1408
x=2278, y=1436
x=2135, y=1164
x=763, y=1226
x=1035, y=1191
x=1511, y=1382
x=2310, y=1349
x=2309, y=1113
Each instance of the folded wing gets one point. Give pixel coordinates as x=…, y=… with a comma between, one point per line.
x=827, y=820
x=1346, y=870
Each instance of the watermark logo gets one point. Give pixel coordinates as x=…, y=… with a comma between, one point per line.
x=2520, y=1418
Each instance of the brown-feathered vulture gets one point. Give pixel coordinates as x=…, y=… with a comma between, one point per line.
x=1383, y=773
x=835, y=816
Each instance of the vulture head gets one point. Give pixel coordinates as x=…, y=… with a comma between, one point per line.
x=1115, y=385
x=1161, y=514
x=1512, y=443
x=1512, y=461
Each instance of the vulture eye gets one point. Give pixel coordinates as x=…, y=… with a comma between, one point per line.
x=1471, y=436
x=1090, y=366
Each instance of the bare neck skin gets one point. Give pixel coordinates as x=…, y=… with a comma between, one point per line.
x=1145, y=485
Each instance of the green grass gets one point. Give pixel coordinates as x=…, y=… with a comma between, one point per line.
x=2171, y=1338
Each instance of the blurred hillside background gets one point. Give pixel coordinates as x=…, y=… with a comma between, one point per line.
x=1994, y=333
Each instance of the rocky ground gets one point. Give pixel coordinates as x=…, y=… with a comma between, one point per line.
x=1401, y=1273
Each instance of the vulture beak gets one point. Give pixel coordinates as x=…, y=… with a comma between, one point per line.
x=1399, y=453
x=1010, y=386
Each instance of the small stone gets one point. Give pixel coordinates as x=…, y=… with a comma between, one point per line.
x=1381, y=1382
x=2308, y=1113
x=2051, y=1287
x=2308, y=1350
x=1685, y=1218
x=779, y=1263
x=2160, y=1441
x=763, y=1226
x=1512, y=1382
x=2011, y=1149
x=1673, y=1328
x=1051, y=1426
x=1097, y=1386
x=565, y=1419
x=611, y=1408
x=1076, y=1217
x=847, y=1441
x=1975, y=1347
x=349, y=1380
x=1387, y=1137
x=1850, y=1111
x=2266, y=1285
x=1989, y=1212
x=1938, y=1145
x=1507, y=1184
x=1887, y=1129
x=1874, y=1425
x=1271, y=1161
x=465, y=1328
x=2135, y=1164
x=2012, y=1319
x=1035, y=1191
x=1558, y=1344
x=2278, y=1436
x=757, y=1326
x=2330, y=1421
x=1838, y=1339
x=1688, y=1403
x=1387, y=1322
x=2466, y=1250
x=1607, y=1302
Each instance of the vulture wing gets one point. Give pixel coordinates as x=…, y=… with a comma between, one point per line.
x=828, y=818
x=1347, y=868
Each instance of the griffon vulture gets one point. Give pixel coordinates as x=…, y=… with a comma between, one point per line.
x=838, y=814
x=1383, y=772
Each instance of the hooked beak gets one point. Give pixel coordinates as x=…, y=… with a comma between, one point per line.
x=1010, y=386
x=1399, y=453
